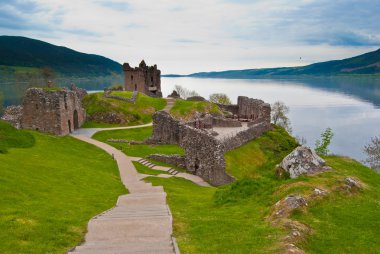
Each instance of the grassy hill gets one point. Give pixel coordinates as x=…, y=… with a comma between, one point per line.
x=50, y=187
x=99, y=107
x=18, y=51
x=368, y=63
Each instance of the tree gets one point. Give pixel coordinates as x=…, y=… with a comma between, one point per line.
x=220, y=98
x=372, y=151
x=322, y=146
x=279, y=117
x=184, y=93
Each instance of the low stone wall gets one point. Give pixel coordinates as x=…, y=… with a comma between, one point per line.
x=107, y=94
x=245, y=136
x=174, y=159
x=225, y=122
x=196, y=98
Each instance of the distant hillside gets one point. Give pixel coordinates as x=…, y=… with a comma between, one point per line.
x=368, y=63
x=26, y=52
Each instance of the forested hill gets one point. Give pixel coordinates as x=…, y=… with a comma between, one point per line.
x=18, y=51
x=368, y=63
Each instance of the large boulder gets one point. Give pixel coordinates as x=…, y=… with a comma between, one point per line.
x=303, y=160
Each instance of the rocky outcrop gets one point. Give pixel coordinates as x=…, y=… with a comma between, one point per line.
x=303, y=160
x=13, y=115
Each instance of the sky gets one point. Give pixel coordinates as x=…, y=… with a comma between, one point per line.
x=209, y=35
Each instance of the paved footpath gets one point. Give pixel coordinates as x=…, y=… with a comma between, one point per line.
x=141, y=221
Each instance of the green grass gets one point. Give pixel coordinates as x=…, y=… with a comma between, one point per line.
x=50, y=191
x=186, y=109
x=13, y=138
x=134, y=114
x=137, y=134
x=148, y=171
x=202, y=226
x=233, y=218
x=345, y=223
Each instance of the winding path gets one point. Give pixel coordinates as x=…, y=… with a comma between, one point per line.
x=141, y=221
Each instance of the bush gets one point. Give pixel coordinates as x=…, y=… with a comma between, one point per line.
x=220, y=98
x=321, y=147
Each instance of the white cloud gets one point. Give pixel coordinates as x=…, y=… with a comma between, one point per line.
x=190, y=36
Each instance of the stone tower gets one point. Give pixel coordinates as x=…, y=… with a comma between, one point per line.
x=144, y=79
x=58, y=112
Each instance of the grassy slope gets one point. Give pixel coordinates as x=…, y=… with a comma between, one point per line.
x=13, y=138
x=137, y=134
x=232, y=219
x=139, y=113
x=186, y=109
x=50, y=191
x=147, y=171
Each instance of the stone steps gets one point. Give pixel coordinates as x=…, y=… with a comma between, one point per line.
x=151, y=165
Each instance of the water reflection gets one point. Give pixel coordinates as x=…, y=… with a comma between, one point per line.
x=351, y=107
x=14, y=90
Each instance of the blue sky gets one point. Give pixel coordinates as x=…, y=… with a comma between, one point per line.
x=190, y=36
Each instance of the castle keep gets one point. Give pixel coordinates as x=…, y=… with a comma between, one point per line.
x=144, y=79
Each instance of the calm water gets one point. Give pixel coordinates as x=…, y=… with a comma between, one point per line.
x=350, y=106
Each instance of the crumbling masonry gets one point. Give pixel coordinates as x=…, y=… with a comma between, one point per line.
x=57, y=112
x=204, y=149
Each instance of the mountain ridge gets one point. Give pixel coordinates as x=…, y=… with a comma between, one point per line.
x=16, y=51
x=368, y=63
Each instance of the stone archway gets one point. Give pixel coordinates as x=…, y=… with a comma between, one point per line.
x=76, y=120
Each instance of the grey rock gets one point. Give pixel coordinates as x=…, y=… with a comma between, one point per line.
x=303, y=160
x=295, y=201
x=352, y=183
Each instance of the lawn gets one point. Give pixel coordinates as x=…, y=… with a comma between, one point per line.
x=137, y=134
x=233, y=218
x=50, y=187
x=134, y=114
x=186, y=110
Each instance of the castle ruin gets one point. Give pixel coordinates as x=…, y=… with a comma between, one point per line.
x=57, y=112
x=144, y=79
x=207, y=138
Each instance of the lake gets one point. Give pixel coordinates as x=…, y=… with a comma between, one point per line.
x=348, y=105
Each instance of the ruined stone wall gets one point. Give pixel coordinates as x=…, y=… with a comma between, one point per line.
x=13, y=115
x=174, y=159
x=56, y=112
x=165, y=128
x=248, y=108
x=144, y=79
x=233, y=109
x=245, y=136
x=204, y=156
